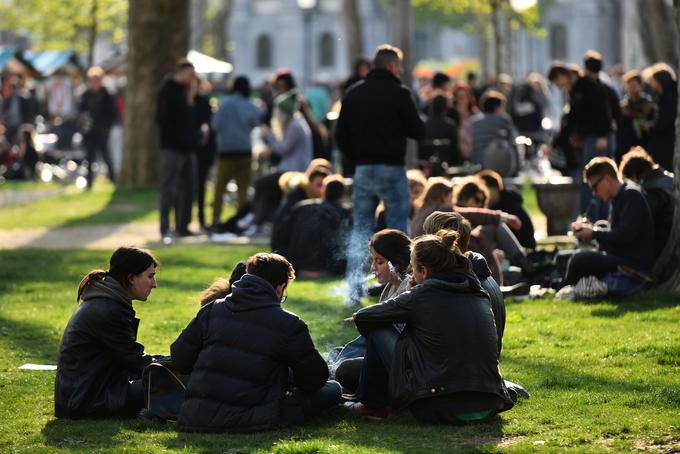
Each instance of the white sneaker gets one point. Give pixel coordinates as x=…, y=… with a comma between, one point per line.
x=246, y=220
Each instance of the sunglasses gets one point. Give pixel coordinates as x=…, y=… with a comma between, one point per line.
x=593, y=187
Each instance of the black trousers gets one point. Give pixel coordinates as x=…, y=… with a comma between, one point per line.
x=97, y=143
x=373, y=384
x=204, y=160
x=178, y=169
x=300, y=406
x=590, y=263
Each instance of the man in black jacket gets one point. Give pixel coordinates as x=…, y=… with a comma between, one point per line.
x=657, y=186
x=626, y=239
x=323, y=222
x=377, y=116
x=179, y=138
x=97, y=113
x=252, y=365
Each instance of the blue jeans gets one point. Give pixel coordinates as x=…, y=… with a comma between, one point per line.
x=381, y=344
x=600, y=208
x=373, y=183
x=300, y=406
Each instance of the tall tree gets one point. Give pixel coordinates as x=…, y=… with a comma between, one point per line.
x=668, y=269
x=353, y=31
x=158, y=37
x=658, y=34
x=66, y=24
x=218, y=18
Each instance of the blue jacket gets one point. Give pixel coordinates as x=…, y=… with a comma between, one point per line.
x=233, y=122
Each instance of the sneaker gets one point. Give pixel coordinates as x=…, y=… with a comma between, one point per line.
x=245, y=221
x=365, y=411
x=166, y=240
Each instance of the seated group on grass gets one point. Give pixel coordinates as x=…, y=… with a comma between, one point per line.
x=431, y=345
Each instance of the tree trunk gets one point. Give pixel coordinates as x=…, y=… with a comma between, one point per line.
x=220, y=31
x=667, y=265
x=485, y=66
x=158, y=35
x=658, y=35
x=353, y=31
x=92, y=39
x=497, y=44
x=403, y=36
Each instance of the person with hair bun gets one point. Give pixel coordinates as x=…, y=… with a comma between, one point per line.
x=443, y=366
x=100, y=361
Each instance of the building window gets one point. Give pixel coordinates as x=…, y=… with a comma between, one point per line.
x=327, y=51
x=558, y=42
x=264, y=52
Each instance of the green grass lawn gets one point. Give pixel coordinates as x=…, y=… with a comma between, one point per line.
x=603, y=375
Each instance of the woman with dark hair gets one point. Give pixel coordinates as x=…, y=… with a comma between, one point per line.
x=443, y=366
x=233, y=122
x=100, y=361
x=662, y=135
x=390, y=251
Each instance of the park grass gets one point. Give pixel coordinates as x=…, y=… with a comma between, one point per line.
x=604, y=376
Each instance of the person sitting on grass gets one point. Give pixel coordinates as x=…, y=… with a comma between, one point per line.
x=440, y=220
x=221, y=287
x=657, y=186
x=626, y=239
x=509, y=201
x=443, y=366
x=323, y=223
x=100, y=361
x=252, y=365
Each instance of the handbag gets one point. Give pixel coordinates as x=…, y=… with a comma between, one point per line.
x=164, y=390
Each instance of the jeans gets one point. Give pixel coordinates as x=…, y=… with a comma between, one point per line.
x=177, y=188
x=373, y=183
x=600, y=208
x=590, y=263
x=373, y=385
x=300, y=406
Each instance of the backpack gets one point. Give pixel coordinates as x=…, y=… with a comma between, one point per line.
x=501, y=156
x=164, y=390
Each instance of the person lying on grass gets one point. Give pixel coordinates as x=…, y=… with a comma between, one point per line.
x=252, y=365
x=443, y=366
x=100, y=361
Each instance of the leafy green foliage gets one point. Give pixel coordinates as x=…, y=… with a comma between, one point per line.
x=64, y=24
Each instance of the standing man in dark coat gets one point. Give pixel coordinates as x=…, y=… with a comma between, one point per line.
x=377, y=116
x=252, y=364
x=179, y=139
x=98, y=114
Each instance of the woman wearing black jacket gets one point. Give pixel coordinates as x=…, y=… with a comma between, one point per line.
x=100, y=361
x=662, y=135
x=444, y=365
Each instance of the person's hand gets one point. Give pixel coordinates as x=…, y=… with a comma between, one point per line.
x=585, y=232
x=513, y=222
x=601, y=143
x=264, y=153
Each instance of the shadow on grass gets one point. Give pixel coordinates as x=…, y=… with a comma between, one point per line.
x=399, y=433
x=644, y=302
x=125, y=205
x=33, y=342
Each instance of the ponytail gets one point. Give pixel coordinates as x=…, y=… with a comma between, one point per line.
x=94, y=275
x=440, y=252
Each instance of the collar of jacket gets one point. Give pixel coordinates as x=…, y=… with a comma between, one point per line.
x=456, y=281
x=382, y=74
x=108, y=288
x=251, y=293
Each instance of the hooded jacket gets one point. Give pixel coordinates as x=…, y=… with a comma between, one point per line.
x=238, y=352
x=99, y=354
x=449, y=344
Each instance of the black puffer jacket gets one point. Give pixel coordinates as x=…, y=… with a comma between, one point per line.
x=98, y=354
x=449, y=344
x=239, y=351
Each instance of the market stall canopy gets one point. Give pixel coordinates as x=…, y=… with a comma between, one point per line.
x=51, y=61
x=205, y=64
x=12, y=61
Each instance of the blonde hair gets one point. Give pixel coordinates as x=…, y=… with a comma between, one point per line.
x=217, y=290
x=435, y=192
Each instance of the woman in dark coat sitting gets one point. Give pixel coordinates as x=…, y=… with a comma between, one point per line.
x=100, y=361
x=444, y=365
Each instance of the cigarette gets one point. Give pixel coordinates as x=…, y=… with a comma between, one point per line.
x=349, y=319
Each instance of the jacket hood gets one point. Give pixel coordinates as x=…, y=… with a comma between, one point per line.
x=251, y=293
x=454, y=280
x=479, y=265
x=381, y=73
x=108, y=288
